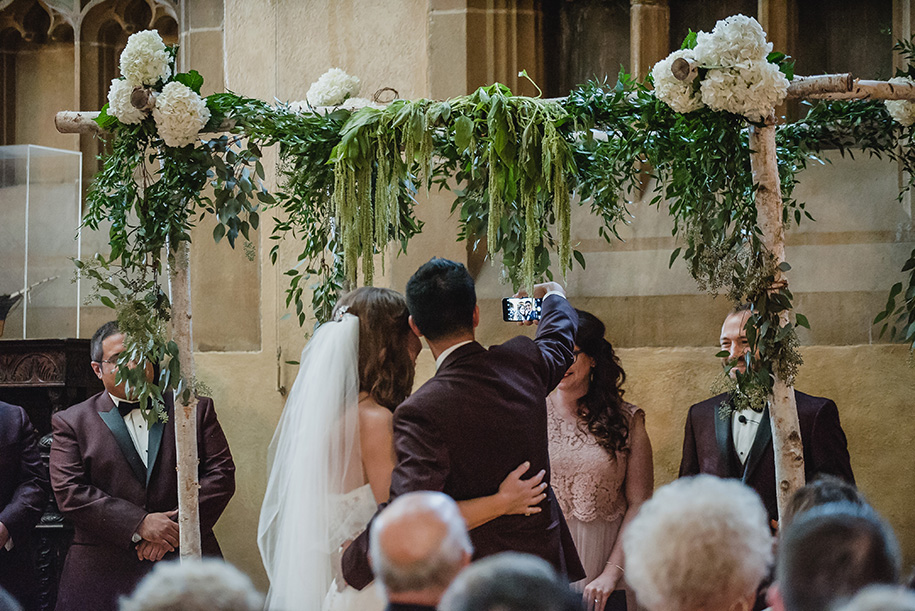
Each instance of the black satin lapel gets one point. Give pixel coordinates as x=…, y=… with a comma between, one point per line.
x=725, y=439
x=763, y=439
x=155, y=441
x=115, y=424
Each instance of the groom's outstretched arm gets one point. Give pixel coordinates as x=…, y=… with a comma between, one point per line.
x=422, y=464
x=556, y=337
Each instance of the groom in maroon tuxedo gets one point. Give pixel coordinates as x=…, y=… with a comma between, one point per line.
x=482, y=414
x=114, y=477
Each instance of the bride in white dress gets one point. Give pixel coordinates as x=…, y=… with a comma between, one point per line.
x=332, y=455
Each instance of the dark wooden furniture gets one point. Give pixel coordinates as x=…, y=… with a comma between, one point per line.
x=44, y=376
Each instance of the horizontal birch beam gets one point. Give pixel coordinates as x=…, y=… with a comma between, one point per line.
x=820, y=87
x=83, y=122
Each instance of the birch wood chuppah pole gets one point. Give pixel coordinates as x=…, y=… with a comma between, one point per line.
x=185, y=400
x=786, y=437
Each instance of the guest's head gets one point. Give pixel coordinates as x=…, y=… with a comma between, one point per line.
x=596, y=377
x=195, y=585
x=733, y=338
x=825, y=489
x=387, y=346
x=700, y=543
x=442, y=300
x=881, y=598
x=417, y=545
x=829, y=553
x=106, y=346
x=510, y=582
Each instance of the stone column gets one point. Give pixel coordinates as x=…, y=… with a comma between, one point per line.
x=649, y=34
x=779, y=19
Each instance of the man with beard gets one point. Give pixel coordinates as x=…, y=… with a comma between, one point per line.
x=740, y=445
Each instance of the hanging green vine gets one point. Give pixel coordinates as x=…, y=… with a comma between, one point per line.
x=347, y=182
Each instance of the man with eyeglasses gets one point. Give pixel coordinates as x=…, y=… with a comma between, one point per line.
x=113, y=473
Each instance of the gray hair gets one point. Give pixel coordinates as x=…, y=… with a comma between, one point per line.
x=195, y=585
x=438, y=565
x=700, y=542
x=510, y=581
x=882, y=598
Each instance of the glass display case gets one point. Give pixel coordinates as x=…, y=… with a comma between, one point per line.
x=40, y=204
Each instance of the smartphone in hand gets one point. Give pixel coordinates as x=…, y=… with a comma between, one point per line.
x=521, y=309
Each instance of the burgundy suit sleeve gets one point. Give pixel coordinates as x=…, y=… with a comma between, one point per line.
x=689, y=461
x=216, y=472
x=828, y=445
x=556, y=338
x=422, y=464
x=31, y=494
x=107, y=517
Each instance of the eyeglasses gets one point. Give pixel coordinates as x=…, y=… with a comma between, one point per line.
x=113, y=360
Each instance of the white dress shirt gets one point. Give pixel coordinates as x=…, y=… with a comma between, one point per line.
x=138, y=429
x=744, y=426
x=441, y=358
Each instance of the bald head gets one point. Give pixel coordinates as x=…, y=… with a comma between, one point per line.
x=417, y=546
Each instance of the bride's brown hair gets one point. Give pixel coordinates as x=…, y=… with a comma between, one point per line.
x=386, y=367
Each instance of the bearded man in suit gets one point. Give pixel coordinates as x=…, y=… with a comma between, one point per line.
x=740, y=446
x=114, y=477
x=482, y=414
x=24, y=493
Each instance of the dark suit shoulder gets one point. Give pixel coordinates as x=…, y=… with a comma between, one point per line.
x=810, y=402
x=79, y=410
x=709, y=406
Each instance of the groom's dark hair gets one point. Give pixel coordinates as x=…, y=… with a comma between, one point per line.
x=441, y=299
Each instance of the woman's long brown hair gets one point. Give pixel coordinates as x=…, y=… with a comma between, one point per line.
x=386, y=368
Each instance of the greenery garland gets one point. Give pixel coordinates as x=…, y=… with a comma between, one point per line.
x=348, y=181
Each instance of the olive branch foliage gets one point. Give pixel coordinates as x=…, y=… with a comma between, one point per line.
x=347, y=182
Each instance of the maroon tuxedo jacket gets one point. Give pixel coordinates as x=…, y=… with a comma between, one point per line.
x=102, y=487
x=708, y=446
x=477, y=419
x=24, y=493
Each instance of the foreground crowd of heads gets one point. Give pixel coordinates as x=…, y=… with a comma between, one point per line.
x=701, y=543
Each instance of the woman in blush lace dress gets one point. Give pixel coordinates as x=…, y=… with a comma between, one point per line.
x=601, y=463
x=332, y=455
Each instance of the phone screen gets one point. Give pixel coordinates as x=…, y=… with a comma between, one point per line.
x=519, y=309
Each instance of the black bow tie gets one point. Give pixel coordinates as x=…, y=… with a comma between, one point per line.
x=125, y=407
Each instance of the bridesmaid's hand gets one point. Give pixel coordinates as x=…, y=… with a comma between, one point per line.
x=521, y=496
x=598, y=591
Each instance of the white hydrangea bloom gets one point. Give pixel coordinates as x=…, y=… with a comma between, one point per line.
x=902, y=111
x=679, y=95
x=119, y=105
x=332, y=88
x=180, y=114
x=736, y=40
x=144, y=60
x=751, y=90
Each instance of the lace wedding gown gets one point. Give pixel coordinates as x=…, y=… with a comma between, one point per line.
x=316, y=498
x=356, y=509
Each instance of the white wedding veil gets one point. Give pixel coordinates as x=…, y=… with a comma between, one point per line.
x=313, y=459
